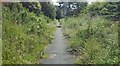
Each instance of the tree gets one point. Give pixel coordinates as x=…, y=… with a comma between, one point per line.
x=109, y=9
x=73, y=8
x=32, y=6
x=59, y=13
x=48, y=9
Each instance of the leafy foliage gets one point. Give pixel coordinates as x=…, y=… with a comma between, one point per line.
x=70, y=8
x=108, y=9
x=59, y=13
x=92, y=40
x=32, y=6
x=93, y=36
x=48, y=9
x=24, y=34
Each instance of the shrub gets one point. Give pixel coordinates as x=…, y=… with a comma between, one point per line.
x=24, y=36
x=92, y=40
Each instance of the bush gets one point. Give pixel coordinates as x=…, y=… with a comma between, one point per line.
x=24, y=35
x=92, y=40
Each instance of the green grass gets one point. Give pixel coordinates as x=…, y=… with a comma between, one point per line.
x=24, y=40
x=0, y=51
x=92, y=40
x=0, y=38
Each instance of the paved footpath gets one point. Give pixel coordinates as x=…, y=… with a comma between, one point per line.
x=57, y=51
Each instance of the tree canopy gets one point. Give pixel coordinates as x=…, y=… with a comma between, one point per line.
x=48, y=9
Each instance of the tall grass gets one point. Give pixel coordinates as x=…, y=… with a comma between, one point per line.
x=0, y=37
x=24, y=36
x=92, y=40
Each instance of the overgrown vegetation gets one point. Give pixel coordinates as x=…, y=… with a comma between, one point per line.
x=91, y=30
x=25, y=33
x=93, y=39
x=110, y=10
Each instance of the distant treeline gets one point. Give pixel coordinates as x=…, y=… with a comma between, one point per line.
x=109, y=9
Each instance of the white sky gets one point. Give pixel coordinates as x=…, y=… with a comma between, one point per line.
x=55, y=2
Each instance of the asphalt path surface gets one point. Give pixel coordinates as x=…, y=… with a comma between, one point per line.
x=57, y=51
